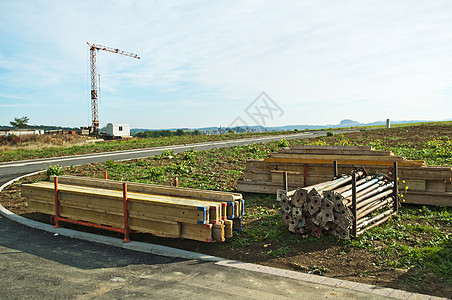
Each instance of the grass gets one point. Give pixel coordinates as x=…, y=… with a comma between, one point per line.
x=413, y=240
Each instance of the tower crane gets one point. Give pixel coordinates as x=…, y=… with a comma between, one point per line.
x=93, y=48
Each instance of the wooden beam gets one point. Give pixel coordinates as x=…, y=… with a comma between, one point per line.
x=343, y=161
x=428, y=198
x=336, y=152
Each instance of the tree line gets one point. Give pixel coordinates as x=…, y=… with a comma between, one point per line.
x=165, y=133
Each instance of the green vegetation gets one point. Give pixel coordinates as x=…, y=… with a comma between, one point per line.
x=54, y=171
x=413, y=240
x=20, y=122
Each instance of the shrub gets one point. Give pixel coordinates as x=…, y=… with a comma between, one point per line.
x=54, y=171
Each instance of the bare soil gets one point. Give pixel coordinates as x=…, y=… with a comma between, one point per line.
x=314, y=255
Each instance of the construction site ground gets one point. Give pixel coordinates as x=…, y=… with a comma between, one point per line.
x=358, y=260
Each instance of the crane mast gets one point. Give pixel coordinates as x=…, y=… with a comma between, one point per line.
x=93, y=48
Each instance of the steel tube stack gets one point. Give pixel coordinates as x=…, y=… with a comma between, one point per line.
x=339, y=207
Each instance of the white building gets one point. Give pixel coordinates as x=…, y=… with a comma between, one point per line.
x=19, y=132
x=118, y=130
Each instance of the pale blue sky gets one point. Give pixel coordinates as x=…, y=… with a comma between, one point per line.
x=204, y=62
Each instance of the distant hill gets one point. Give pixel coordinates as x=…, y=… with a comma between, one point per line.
x=343, y=123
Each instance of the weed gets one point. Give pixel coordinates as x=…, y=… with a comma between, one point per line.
x=55, y=170
x=237, y=241
x=189, y=154
x=280, y=252
x=283, y=143
x=319, y=270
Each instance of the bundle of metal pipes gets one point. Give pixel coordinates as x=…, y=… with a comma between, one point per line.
x=348, y=205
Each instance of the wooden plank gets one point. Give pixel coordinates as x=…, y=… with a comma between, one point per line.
x=344, y=161
x=413, y=185
x=294, y=178
x=228, y=229
x=260, y=187
x=449, y=187
x=162, y=229
x=197, y=232
x=336, y=152
x=436, y=186
x=338, y=157
x=428, y=198
x=218, y=232
x=257, y=175
x=316, y=147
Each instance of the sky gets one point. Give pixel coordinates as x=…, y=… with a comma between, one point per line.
x=223, y=63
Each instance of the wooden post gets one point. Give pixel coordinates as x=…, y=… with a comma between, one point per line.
x=126, y=213
x=335, y=172
x=305, y=175
x=285, y=182
x=354, y=228
x=396, y=187
x=57, y=202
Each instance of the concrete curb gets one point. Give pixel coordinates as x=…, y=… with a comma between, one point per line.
x=178, y=253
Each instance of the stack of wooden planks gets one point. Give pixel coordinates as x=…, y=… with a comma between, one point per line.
x=160, y=210
x=309, y=165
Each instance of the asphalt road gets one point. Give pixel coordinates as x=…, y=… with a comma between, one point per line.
x=37, y=265
x=40, y=265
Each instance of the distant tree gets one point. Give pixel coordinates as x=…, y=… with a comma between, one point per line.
x=20, y=122
x=180, y=132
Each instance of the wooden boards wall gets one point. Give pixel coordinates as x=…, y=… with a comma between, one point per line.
x=308, y=165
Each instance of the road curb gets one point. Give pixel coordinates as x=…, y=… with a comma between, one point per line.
x=178, y=253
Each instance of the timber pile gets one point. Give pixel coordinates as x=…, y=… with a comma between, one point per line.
x=160, y=210
x=309, y=165
x=339, y=207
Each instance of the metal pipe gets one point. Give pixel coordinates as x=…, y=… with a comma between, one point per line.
x=376, y=191
x=376, y=223
x=366, y=211
x=374, y=219
x=374, y=198
x=126, y=213
x=360, y=187
x=366, y=191
x=375, y=195
x=355, y=219
x=349, y=186
x=57, y=202
x=334, y=183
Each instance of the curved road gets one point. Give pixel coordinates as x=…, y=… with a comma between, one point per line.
x=37, y=265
